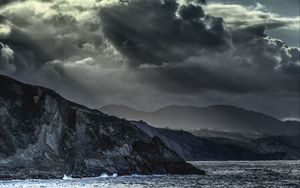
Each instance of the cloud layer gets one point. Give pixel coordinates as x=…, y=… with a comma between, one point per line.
x=239, y=16
x=148, y=52
x=191, y=51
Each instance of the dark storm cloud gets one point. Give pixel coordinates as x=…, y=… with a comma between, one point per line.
x=37, y=37
x=60, y=45
x=3, y=2
x=29, y=52
x=191, y=12
x=183, y=50
x=147, y=52
x=173, y=47
x=281, y=20
x=149, y=31
x=237, y=76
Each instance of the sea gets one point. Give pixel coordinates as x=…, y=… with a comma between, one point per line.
x=229, y=174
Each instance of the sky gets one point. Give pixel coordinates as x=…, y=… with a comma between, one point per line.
x=148, y=54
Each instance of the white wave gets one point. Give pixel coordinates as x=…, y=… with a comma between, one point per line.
x=104, y=175
x=140, y=176
x=67, y=177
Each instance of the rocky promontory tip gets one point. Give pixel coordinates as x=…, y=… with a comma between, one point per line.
x=46, y=136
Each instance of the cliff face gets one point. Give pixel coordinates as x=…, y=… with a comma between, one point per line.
x=45, y=136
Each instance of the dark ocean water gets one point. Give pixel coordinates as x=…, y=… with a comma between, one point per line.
x=219, y=174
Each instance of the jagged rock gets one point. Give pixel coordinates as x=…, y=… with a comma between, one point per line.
x=46, y=136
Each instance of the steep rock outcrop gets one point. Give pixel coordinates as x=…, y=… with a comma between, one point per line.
x=45, y=136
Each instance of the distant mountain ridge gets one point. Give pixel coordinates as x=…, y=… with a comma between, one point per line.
x=219, y=117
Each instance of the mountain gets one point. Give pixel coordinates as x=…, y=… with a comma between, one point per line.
x=218, y=117
x=46, y=136
x=195, y=148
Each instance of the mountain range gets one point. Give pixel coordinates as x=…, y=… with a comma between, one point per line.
x=217, y=117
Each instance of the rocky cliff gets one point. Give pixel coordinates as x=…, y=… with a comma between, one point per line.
x=46, y=136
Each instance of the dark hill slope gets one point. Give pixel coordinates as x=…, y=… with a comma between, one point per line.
x=45, y=136
x=193, y=148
